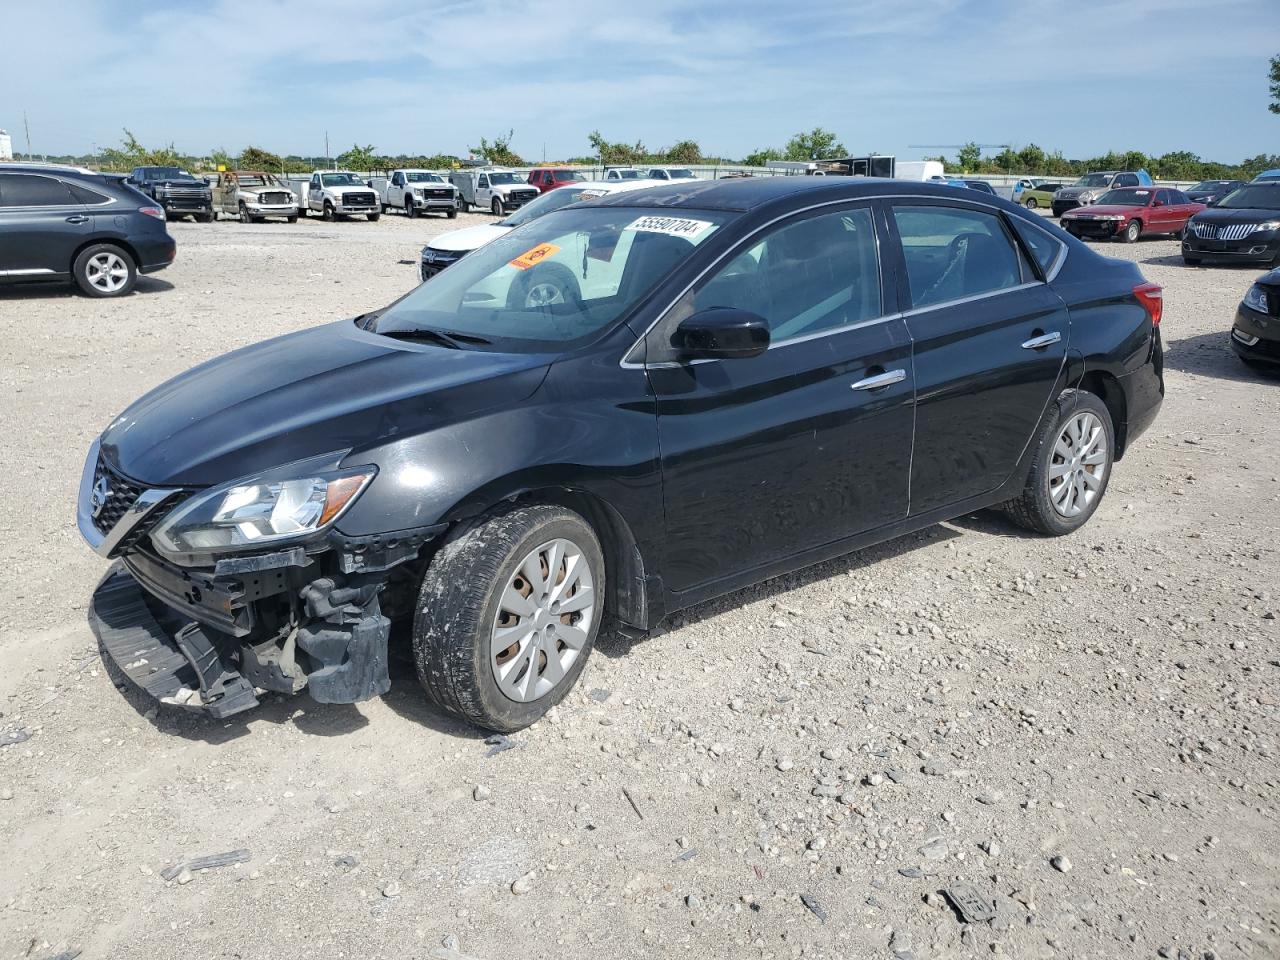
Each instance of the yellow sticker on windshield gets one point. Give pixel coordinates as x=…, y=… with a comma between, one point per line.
x=531, y=258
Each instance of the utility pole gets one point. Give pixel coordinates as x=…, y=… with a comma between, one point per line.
x=27, y=128
x=326, y=146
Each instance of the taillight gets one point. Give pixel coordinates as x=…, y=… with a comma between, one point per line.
x=157, y=212
x=1151, y=296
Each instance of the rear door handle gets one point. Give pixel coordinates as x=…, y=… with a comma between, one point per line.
x=886, y=379
x=1044, y=340
x=78, y=218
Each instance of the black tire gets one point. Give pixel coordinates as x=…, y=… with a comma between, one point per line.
x=385, y=208
x=328, y=213
x=554, y=274
x=204, y=218
x=452, y=213
x=1132, y=231
x=373, y=217
x=459, y=602
x=410, y=208
x=293, y=219
x=1191, y=261
x=496, y=207
x=244, y=214
x=1032, y=203
x=1034, y=509
x=87, y=258
x=463, y=206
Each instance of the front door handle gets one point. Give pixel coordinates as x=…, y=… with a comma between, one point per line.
x=1044, y=340
x=78, y=218
x=880, y=380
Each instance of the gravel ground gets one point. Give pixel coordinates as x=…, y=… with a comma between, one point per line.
x=1083, y=729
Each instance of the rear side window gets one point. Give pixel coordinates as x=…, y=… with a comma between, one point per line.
x=1044, y=248
x=85, y=195
x=953, y=253
x=27, y=190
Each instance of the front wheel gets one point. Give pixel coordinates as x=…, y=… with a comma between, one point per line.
x=1132, y=231
x=463, y=206
x=373, y=217
x=204, y=218
x=452, y=213
x=328, y=214
x=244, y=214
x=293, y=219
x=1071, y=467
x=410, y=209
x=104, y=270
x=496, y=207
x=508, y=613
x=1032, y=203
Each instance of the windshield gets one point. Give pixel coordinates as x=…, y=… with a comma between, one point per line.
x=504, y=178
x=1266, y=198
x=627, y=174
x=1094, y=180
x=423, y=178
x=340, y=180
x=256, y=180
x=568, y=176
x=166, y=173
x=1128, y=197
x=551, y=200
x=679, y=173
x=1207, y=186
x=561, y=279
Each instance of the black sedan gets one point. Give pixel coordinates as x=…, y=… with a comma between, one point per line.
x=61, y=222
x=1211, y=191
x=615, y=411
x=1255, y=337
x=1244, y=227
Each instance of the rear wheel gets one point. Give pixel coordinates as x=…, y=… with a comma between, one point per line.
x=508, y=613
x=1070, y=469
x=104, y=270
x=1132, y=231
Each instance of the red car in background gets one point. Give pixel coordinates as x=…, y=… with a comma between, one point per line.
x=548, y=178
x=1131, y=212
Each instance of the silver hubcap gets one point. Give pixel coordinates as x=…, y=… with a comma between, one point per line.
x=1080, y=464
x=107, y=272
x=543, y=294
x=544, y=619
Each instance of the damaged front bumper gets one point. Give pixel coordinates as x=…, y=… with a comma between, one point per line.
x=213, y=640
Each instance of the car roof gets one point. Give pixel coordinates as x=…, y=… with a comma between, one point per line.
x=34, y=167
x=743, y=195
x=619, y=186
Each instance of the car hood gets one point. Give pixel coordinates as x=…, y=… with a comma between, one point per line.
x=1239, y=215
x=508, y=187
x=468, y=238
x=180, y=182
x=1076, y=191
x=329, y=388
x=254, y=191
x=1104, y=209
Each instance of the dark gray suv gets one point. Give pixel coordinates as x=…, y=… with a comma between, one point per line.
x=67, y=222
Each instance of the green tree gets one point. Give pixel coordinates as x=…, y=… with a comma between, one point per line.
x=761, y=157
x=132, y=154
x=255, y=158
x=1007, y=160
x=220, y=158
x=686, y=151
x=1031, y=159
x=499, y=151
x=616, y=153
x=1274, y=106
x=362, y=159
x=817, y=144
x=970, y=157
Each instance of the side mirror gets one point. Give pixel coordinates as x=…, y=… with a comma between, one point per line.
x=1157, y=203
x=1212, y=201
x=721, y=333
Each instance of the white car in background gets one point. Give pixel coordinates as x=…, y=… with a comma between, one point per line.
x=671, y=173
x=449, y=248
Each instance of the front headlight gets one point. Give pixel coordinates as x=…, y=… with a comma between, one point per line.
x=1256, y=299
x=1269, y=225
x=251, y=513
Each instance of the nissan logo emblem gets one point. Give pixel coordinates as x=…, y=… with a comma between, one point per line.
x=99, y=495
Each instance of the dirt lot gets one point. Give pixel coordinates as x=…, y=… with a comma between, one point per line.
x=1085, y=728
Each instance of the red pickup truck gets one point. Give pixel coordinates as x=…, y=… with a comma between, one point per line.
x=548, y=178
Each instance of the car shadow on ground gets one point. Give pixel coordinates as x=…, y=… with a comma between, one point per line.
x=64, y=290
x=618, y=645
x=1210, y=355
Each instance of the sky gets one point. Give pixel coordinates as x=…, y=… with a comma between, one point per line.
x=433, y=76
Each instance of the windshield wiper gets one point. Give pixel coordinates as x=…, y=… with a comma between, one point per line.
x=442, y=337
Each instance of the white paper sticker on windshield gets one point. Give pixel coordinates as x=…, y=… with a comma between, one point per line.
x=673, y=226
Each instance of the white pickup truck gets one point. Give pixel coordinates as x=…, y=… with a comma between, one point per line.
x=417, y=192
x=494, y=188
x=338, y=193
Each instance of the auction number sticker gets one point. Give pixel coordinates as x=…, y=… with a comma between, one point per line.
x=672, y=226
x=531, y=258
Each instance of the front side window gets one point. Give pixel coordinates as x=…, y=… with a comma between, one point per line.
x=561, y=279
x=804, y=277
x=953, y=253
x=28, y=190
